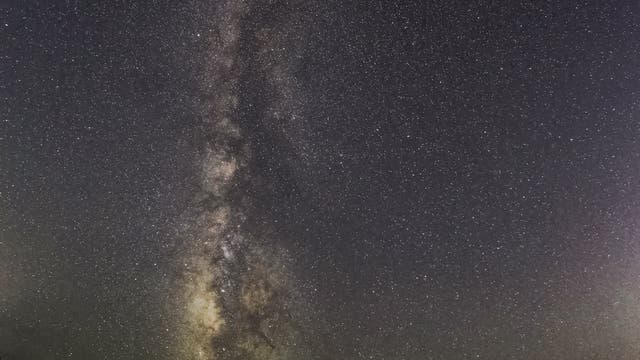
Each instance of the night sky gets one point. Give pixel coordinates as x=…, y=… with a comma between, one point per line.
x=319, y=180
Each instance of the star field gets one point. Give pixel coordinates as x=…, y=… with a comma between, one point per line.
x=319, y=180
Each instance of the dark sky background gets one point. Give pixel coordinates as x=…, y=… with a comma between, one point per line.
x=448, y=180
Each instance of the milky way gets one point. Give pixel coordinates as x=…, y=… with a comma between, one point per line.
x=238, y=296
